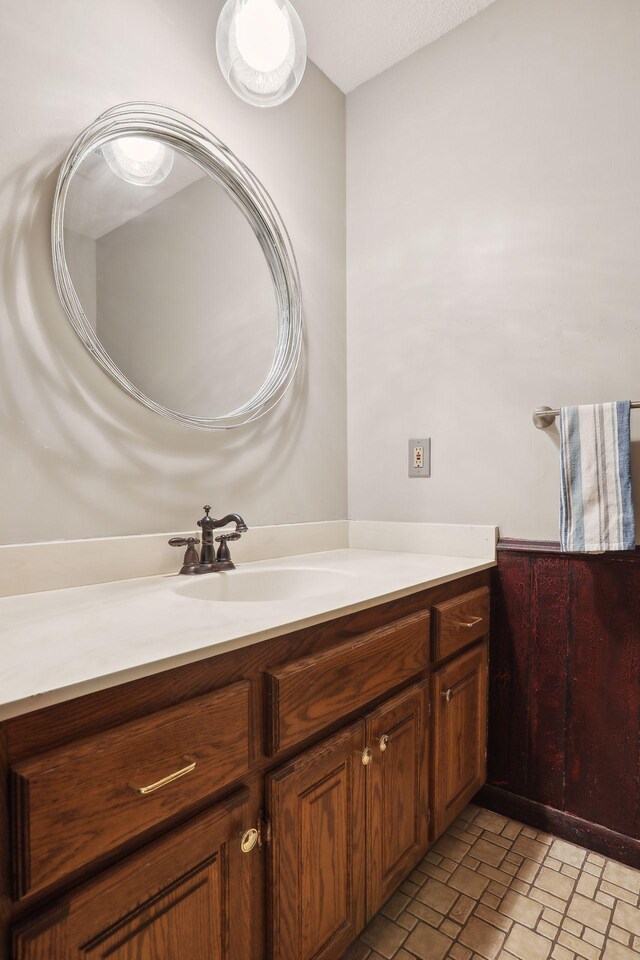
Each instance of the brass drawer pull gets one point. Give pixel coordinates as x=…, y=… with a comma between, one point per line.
x=152, y=787
x=383, y=742
x=468, y=623
x=447, y=694
x=367, y=756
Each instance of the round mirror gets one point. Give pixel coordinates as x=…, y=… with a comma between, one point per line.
x=175, y=268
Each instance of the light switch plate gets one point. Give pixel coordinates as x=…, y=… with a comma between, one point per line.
x=420, y=450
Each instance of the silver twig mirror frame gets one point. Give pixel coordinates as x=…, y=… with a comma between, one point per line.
x=199, y=145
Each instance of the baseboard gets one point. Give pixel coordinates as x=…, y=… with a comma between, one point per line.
x=560, y=824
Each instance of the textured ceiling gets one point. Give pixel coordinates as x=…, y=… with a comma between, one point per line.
x=353, y=40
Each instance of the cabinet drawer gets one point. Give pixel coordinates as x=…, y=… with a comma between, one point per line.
x=76, y=803
x=459, y=622
x=313, y=692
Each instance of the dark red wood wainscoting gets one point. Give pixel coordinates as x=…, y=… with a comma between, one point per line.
x=564, y=727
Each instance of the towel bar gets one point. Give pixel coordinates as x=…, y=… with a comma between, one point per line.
x=543, y=417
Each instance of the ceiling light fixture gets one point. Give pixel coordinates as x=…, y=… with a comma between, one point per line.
x=262, y=50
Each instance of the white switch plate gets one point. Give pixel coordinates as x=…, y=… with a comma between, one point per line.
x=420, y=457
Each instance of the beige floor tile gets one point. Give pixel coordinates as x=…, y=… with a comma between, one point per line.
x=427, y=943
x=488, y=852
x=568, y=853
x=619, y=893
x=572, y=926
x=490, y=821
x=425, y=913
x=615, y=951
x=547, y=930
x=462, y=910
x=622, y=876
x=493, y=917
x=587, y=886
x=450, y=929
x=437, y=895
x=591, y=936
x=627, y=917
x=589, y=913
x=407, y=920
x=395, y=905
x=494, y=889
x=619, y=935
x=526, y=945
x=357, y=951
x=458, y=952
x=555, y=883
x=521, y=909
x=605, y=898
x=528, y=871
x=561, y=953
x=547, y=899
x=531, y=849
x=581, y=947
x=494, y=873
x=384, y=936
x=482, y=938
x=452, y=848
x=552, y=916
x=468, y=882
x=497, y=838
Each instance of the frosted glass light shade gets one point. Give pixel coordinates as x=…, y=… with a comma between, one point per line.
x=262, y=50
x=139, y=160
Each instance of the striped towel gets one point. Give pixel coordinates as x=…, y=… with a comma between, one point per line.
x=596, y=509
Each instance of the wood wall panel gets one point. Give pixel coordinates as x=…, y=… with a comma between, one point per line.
x=548, y=680
x=603, y=730
x=564, y=727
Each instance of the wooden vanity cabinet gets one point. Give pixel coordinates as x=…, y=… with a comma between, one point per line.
x=344, y=747
x=184, y=897
x=459, y=707
x=316, y=872
x=348, y=822
x=397, y=813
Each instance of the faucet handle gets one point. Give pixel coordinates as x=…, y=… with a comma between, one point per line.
x=227, y=536
x=223, y=556
x=191, y=557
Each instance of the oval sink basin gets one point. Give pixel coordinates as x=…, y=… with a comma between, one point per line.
x=263, y=586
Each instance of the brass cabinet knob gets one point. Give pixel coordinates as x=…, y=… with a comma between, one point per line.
x=367, y=756
x=249, y=840
x=447, y=694
x=383, y=742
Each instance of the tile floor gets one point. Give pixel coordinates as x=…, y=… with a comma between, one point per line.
x=493, y=889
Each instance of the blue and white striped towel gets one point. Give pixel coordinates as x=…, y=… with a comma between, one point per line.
x=596, y=509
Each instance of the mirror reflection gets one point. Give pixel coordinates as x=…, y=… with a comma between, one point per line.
x=170, y=276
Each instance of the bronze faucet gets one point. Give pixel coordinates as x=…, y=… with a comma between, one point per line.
x=210, y=561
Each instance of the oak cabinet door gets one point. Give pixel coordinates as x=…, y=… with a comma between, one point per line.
x=186, y=896
x=459, y=698
x=397, y=792
x=316, y=858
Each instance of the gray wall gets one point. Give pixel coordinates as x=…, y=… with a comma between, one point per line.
x=79, y=457
x=493, y=258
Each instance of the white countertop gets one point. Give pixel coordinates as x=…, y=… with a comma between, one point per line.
x=62, y=644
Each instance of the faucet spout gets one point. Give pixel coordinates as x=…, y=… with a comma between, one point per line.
x=241, y=526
